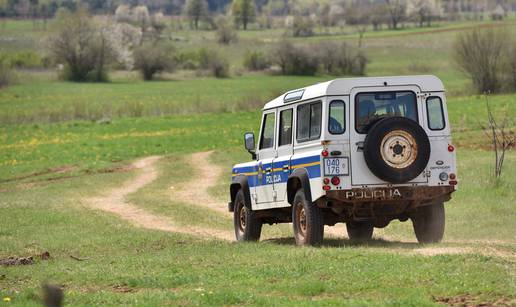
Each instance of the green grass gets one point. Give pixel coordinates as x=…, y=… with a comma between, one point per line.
x=54, y=154
x=153, y=267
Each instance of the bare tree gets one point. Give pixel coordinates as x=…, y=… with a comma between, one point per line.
x=397, y=10
x=359, y=17
x=501, y=137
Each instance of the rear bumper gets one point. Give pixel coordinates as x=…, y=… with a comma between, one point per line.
x=409, y=194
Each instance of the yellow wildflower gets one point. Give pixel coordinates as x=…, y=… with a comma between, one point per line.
x=7, y=299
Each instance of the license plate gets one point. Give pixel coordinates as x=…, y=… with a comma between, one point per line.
x=336, y=166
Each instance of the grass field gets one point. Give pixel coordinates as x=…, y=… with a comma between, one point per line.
x=62, y=143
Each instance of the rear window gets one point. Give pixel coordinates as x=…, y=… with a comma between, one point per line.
x=373, y=106
x=308, y=126
x=435, y=114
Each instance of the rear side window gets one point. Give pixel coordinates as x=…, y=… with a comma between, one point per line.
x=308, y=122
x=435, y=113
x=267, y=140
x=337, y=118
x=285, y=128
x=371, y=107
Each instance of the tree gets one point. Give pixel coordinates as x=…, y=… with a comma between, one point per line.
x=422, y=11
x=81, y=45
x=244, y=12
x=196, y=10
x=397, y=10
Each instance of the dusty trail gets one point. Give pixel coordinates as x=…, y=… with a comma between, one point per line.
x=114, y=202
x=195, y=191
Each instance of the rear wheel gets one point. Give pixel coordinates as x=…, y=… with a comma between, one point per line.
x=360, y=231
x=248, y=227
x=307, y=220
x=428, y=223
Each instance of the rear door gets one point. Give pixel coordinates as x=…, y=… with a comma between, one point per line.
x=371, y=104
x=281, y=165
x=266, y=154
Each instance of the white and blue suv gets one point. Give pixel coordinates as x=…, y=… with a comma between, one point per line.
x=361, y=151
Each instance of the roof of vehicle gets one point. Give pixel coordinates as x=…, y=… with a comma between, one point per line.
x=343, y=86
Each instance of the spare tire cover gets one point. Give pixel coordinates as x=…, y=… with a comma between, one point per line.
x=396, y=149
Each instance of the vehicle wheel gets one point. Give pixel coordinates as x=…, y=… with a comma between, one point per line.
x=396, y=149
x=307, y=220
x=360, y=231
x=428, y=223
x=247, y=226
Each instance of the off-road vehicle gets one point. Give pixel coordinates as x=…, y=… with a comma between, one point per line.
x=362, y=151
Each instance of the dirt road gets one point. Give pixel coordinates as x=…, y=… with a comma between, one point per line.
x=114, y=202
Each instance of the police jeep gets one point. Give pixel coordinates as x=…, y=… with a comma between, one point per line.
x=361, y=151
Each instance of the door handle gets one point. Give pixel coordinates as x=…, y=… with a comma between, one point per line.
x=360, y=146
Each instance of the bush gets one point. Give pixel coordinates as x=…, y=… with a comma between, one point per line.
x=6, y=75
x=330, y=58
x=256, y=60
x=225, y=32
x=342, y=59
x=152, y=58
x=214, y=62
x=295, y=60
x=81, y=46
x=302, y=26
x=480, y=54
x=26, y=59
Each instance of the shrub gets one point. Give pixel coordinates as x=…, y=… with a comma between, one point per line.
x=302, y=26
x=6, y=75
x=154, y=57
x=295, y=60
x=331, y=58
x=225, y=32
x=26, y=59
x=81, y=46
x=214, y=62
x=256, y=60
x=480, y=54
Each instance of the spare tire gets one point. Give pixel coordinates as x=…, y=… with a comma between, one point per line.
x=396, y=149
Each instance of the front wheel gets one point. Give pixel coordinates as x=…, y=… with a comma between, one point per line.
x=248, y=227
x=360, y=231
x=428, y=223
x=307, y=220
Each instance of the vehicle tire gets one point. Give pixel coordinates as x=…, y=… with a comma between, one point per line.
x=248, y=227
x=307, y=221
x=396, y=149
x=428, y=223
x=360, y=231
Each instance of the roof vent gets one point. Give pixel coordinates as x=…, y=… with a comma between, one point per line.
x=293, y=96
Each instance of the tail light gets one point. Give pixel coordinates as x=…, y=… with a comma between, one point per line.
x=324, y=153
x=453, y=176
x=335, y=181
x=451, y=148
x=326, y=180
x=326, y=187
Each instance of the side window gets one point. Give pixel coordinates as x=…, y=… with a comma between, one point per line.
x=285, y=127
x=267, y=140
x=308, y=122
x=337, y=118
x=435, y=113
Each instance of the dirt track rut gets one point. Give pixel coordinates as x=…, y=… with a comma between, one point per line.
x=114, y=202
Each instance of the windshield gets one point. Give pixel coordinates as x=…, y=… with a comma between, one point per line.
x=371, y=107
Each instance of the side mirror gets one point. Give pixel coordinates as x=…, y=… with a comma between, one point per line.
x=249, y=143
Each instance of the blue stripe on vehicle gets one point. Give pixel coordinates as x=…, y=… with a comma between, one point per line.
x=279, y=175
